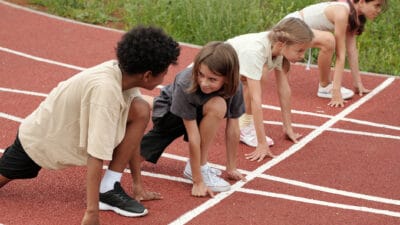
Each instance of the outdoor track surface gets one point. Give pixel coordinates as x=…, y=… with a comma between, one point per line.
x=345, y=169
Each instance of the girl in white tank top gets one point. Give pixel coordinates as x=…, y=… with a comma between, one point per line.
x=335, y=25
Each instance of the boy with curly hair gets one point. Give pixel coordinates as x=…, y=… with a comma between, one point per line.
x=96, y=115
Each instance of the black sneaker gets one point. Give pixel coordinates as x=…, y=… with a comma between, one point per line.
x=118, y=201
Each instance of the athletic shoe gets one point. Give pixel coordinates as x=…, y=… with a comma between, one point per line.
x=249, y=137
x=210, y=177
x=118, y=201
x=326, y=92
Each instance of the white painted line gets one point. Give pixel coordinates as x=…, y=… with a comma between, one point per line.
x=10, y=117
x=188, y=216
x=277, y=123
x=362, y=122
x=330, y=190
x=273, y=178
x=322, y=203
x=41, y=59
x=338, y=130
x=3, y=89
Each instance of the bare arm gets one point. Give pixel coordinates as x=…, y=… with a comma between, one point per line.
x=232, y=141
x=262, y=150
x=285, y=94
x=93, y=178
x=340, y=18
x=199, y=187
x=254, y=88
x=352, y=53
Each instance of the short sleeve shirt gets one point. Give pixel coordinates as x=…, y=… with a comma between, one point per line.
x=85, y=114
x=254, y=50
x=176, y=99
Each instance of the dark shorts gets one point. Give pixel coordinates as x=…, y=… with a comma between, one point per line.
x=16, y=164
x=165, y=130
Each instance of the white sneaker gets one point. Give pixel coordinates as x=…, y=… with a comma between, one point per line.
x=249, y=137
x=326, y=92
x=210, y=177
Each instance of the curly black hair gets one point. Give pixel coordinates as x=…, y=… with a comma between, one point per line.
x=146, y=48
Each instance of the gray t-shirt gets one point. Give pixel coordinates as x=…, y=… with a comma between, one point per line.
x=176, y=99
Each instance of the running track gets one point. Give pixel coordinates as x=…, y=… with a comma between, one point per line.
x=344, y=170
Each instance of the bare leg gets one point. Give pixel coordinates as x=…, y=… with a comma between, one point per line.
x=3, y=181
x=138, y=118
x=325, y=41
x=213, y=113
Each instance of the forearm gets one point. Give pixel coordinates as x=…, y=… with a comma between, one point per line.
x=232, y=140
x=285, y=96
x=258, y=121
x=94, y=173
x=338, y=74
x=135, y=167
x=354, y=68
x=194, y=152
x=286, y=109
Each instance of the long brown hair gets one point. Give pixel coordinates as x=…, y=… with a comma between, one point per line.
x=221, y=59
x=357, y=22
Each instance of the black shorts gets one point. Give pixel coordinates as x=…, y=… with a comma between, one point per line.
x=16, y=164
x=165, y=130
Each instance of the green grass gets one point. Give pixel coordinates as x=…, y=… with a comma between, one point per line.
x=201, y=21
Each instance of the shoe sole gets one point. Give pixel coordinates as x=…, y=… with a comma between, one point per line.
x=324, y=95
x=269, y=142
x=104, y=206
x=328, y=95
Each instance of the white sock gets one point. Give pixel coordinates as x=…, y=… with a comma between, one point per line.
x=109, y=179
x=245, y=120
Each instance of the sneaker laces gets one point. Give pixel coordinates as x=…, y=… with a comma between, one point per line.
x=212, y=174
x=121, y=194
x=215, y=171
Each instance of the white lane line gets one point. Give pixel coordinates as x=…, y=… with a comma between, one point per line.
x=272, y=178
x=318, y=202
x=339, y=130
x=32, y=93
x=362, y=133
x=362, y=122
x=188, y=216
x=330, y=190
x=10, y=117
x=41, y=59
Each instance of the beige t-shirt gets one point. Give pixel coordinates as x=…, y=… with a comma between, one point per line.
x=254, y=50
x=85, y=114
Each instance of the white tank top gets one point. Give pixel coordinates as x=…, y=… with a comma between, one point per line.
x=314, y=15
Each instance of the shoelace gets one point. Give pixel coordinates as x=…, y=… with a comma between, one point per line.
x=123, y=196
x=213, y=175
x=215, y=171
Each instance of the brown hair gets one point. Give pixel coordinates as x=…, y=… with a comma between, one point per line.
x=222, y=60
x=357, y=22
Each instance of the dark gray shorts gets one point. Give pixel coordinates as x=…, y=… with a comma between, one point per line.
x=16, y=164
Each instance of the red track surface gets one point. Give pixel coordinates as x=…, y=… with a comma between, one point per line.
x=345, y=170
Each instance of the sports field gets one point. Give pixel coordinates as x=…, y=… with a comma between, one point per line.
x=344, y=170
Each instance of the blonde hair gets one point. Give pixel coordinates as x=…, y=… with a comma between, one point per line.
x=291, y=31
x=222, y=60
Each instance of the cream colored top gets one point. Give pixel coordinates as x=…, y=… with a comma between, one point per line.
x=314, y=15
x=85, y=114
x=254, y=50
